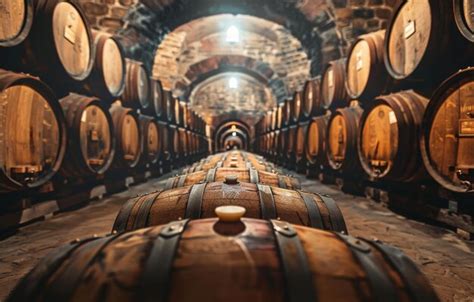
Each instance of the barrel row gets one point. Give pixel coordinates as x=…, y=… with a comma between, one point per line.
x=79, y=136
x=82, y=60
x=405, y=56
x=280, y=233
x=402, y=137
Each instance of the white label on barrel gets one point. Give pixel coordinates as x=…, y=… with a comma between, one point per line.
x=84, y=117
x=392, y=118
x=410, y=29
x=359, y=63
x=70, y=28
x=331, y=78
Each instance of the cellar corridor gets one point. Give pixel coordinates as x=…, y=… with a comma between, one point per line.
x=442, y=256
x=237, y=150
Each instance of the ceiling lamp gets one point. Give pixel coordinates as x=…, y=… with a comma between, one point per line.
x=233, y=34
x=233, y=83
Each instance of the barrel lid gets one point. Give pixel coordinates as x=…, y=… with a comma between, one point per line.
x=230, y=213
x=231, y=180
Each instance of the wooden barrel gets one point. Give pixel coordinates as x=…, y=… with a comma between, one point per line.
x=62, y=27
x=183, y=142
x=137, y=93
x=311, y=104
x=91, y=138
x=366, y=75
x=289, y=112
x=185, y=115
x=464, y=16
x=151, y=140
x=427, y=47
x=32, y=132
x=213, y=260
x=447, y=138
x=286, y=112
x=157, y=98
x=273, y=119
x=300, y=147
x=261, y=201
x=342, y=135
x=129, y=140
x=333, y=85
x=166, y=151
x=16, y=17
x=177, y=112
x=282, y=141
x=316, y=141
x=170, y=107
x=389, y=137
x=249, y=175
x=107, y=79
x=296, y=103
x=291, y=145
x=175, y=142
x=279, y=116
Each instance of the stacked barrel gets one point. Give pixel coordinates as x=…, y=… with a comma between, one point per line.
x=397, y=111
x=230, y=231
x=74, y=108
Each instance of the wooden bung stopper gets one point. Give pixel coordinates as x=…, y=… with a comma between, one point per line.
x=230, y=213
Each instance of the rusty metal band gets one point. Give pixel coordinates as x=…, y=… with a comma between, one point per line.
x=253, y=176
x=120, y=224
x=281, y=181
x=193, y=208
x=298, y=278
x=170, y=183
x=211, y=175
x=155, y=280
x=314, y=214
x=181, y=181
x=417, y=285
x=381, y=286
x=61, y=288
x=335, y=214
x=141, y=220
x=267, y=203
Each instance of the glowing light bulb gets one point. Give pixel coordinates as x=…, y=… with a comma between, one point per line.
x=233, y=83
x=233, y=34
x=234, y=134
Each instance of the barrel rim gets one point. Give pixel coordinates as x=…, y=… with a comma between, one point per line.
x=128, y=111
x=44, y=90
x=445, y=89
x=460, y=21
x=94, y=101
x=25, y=28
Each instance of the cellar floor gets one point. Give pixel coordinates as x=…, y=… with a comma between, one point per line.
x=444, y=258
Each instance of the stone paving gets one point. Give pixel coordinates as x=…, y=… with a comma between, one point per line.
x=441, y=255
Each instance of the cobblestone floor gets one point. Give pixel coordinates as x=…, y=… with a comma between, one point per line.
x=446, y=260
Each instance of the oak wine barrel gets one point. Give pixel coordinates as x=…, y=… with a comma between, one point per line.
x=297, y=103
x=316, y=145
x=166, y=151
x=107, y=78
x=333, y=85
x=59, y=48
x=183, y=142
x=366, y=75
x=91, y=137
x=291, y=145
x=425, y=48
x=289, y=112
x=137, y=92
x=129, y=140
x=281, y=144
x=279, y=116
x=249, y=175
x=157, y=97
x=32, y=132
x=311, y=105
x=16, y=17
x=185, y=115
x=177, y=112
x=216, y=260
x=447, y=138
x=389, y=137
x=464, y=16
x=342, y=136
x=175, y=142
x=150, y=133
x=171, y=107
x=260, y=201
x=300, y=147
x=273, y=119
